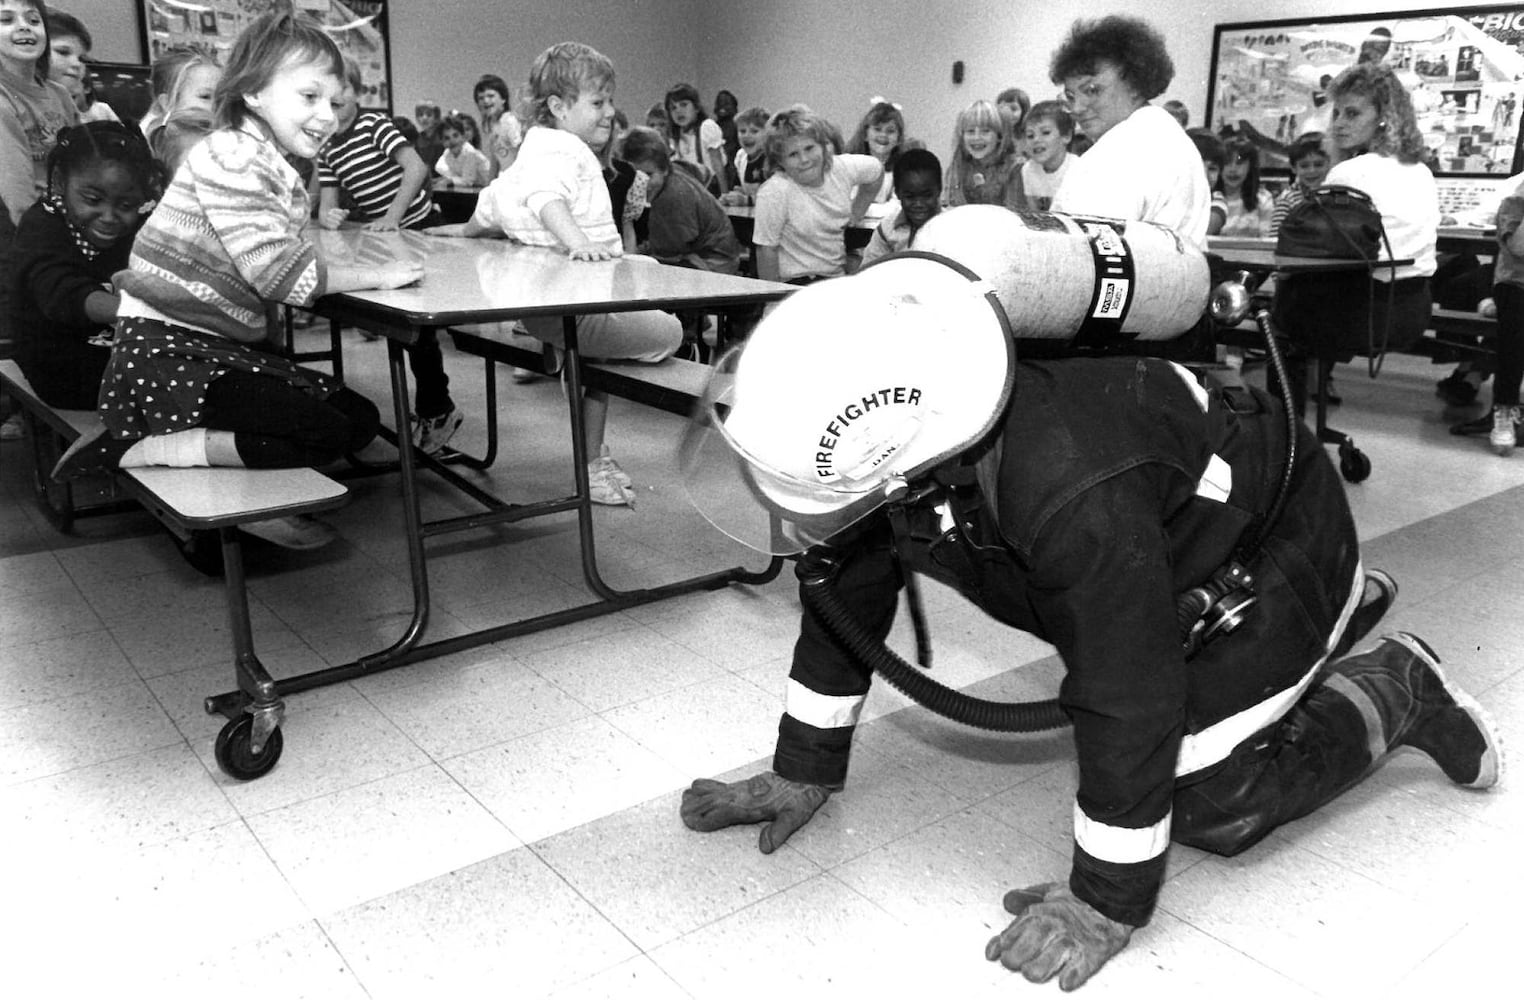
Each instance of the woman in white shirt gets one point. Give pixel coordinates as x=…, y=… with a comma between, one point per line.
x=1378, y=148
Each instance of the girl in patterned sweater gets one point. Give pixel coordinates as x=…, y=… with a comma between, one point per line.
x=188, y=383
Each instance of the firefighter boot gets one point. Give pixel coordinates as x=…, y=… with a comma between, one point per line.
x=1405, y=699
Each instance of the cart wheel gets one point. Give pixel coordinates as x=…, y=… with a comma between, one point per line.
x=235, y=757
x=1353, y=465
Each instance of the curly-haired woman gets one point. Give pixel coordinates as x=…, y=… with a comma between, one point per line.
x=1142, y=166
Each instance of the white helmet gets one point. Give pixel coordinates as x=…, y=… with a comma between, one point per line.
x=844, y=386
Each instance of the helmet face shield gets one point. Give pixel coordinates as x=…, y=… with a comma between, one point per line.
x=845, y=385
x=761, y=507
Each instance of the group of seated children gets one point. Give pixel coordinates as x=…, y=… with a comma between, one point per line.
x=1240, y=205
x=237, y=202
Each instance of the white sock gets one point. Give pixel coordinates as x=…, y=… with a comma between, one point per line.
x=181, y=449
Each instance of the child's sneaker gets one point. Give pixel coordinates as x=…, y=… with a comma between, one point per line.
x=604, y=463
x=12, y=429
x=430, y=434
x=1504, y=434
x=604, y=489
x=300, y=532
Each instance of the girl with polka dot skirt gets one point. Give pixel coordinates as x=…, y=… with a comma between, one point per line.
x=189, y=382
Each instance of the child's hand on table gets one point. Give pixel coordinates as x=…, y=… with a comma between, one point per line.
x=398, y=273
x=592, y=251
x=380, y=226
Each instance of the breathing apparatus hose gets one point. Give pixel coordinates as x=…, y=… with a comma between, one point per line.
x=997, y=716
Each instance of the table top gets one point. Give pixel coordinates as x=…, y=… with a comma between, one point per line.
x=1468, y=239
x=484, y=280
x=1257, y=253
x=1450, y=239
x=1260, y=259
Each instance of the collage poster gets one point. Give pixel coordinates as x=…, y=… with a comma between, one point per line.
x=359, y=26
x=1465, y=72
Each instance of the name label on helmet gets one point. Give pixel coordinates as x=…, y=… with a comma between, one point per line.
x=866, y=432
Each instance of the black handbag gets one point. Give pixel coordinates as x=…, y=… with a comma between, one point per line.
x=1332, y=221
x=1332, y=315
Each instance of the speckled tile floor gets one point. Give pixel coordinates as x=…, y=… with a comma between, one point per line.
x=503, y=822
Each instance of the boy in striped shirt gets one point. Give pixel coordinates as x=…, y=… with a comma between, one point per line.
x=387, y=183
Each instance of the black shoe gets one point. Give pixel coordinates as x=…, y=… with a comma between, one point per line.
x=1380, y=593
x=1457, y=390
x=1471, y=428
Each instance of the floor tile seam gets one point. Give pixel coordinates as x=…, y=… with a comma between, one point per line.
x=306, y=799
x=523, y=841
x=1003, y=789
x=1302, y=844
x=533, y=849
x=1312, y=987
x=103, y=684
x=1462, y=929
x=1456, y=810
x=1025, y=835
x=765, y=762
x=752, y=903
x=180, y=740
x=26, y=639
x=433, y=756
x=1312, y=845
x=1461, y=510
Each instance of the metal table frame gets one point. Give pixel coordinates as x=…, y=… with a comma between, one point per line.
x=403, y=326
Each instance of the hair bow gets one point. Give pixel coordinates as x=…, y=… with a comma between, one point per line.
x=875, y=101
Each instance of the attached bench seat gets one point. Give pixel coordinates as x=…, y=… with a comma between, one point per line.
x=184, y=499
x=188, y=501
x=674, y=385
x=205, y=499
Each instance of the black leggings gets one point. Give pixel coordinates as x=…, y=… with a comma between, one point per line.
x=1505, y=385
x=277, y=425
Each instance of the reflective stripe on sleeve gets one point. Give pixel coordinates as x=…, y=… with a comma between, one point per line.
x=1215, y=742
x=823, y=711
x=1117, y=844
x=1216, y=481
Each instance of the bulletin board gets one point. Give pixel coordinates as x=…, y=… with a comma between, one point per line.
x=359, y=26
x=1464, y=70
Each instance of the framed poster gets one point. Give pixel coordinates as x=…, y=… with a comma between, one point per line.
x=359, y=26
x=1464, y=70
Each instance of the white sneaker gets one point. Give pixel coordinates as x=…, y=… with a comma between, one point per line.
x=522, y=375
x=604, y=463
x=12, y=429
x=604, y=489
x=300, y=532
x=433, y=433
x=1504, y=429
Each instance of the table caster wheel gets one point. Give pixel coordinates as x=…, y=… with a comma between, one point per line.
x=1353, y=465
x=234, y=753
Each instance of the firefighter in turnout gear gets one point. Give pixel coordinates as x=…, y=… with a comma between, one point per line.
x=881, y=424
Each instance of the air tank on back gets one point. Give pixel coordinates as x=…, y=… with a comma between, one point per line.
x=1088, y=280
